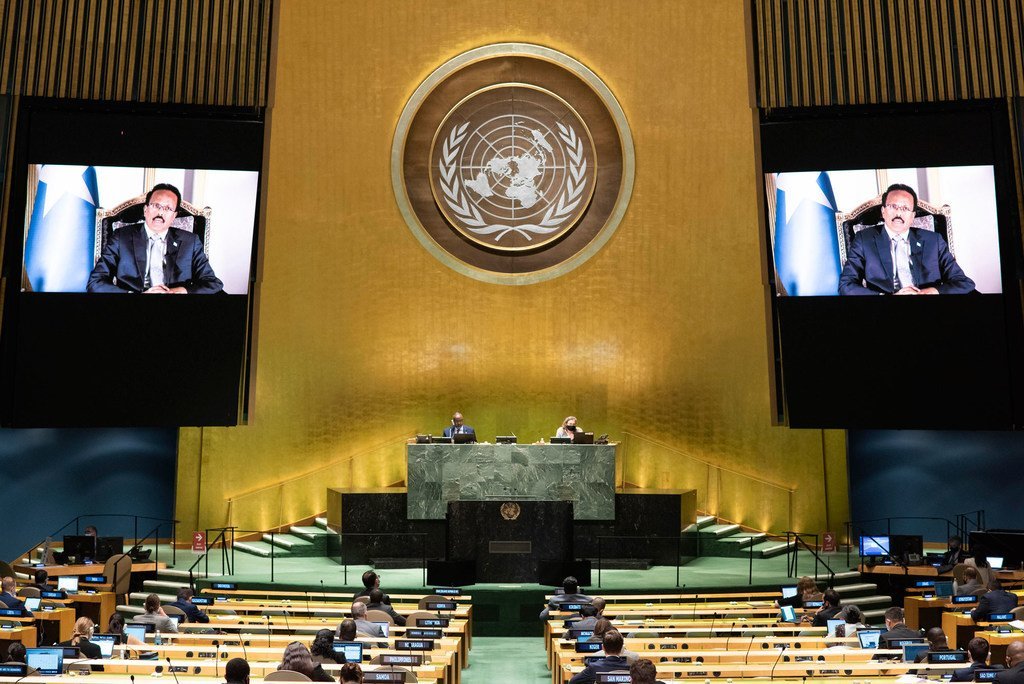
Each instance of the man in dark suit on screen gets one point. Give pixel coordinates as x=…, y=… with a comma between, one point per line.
x=897, y=259
x=153, y=257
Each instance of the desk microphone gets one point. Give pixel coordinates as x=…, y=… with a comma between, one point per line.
x=306, y=594
x=783, y=650
x=747, y=654
x=241, y=642
x=729, y=635
x=286, y=625
x=216, y=658
x=323, y=591
x=171, y=669
x=268, y=630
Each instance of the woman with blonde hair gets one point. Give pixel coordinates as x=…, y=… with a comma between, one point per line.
x=80, y=639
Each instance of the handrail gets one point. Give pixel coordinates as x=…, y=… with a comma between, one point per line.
x=796, y=538
x=678, y=539
x=135, y=518
x=710, y=464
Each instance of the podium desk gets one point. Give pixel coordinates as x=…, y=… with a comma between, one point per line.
x=441, y=473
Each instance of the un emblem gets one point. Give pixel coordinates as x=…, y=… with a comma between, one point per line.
x=512, y=163
x=513, y=167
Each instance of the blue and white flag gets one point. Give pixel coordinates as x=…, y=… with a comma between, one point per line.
x=59, y=248
x=806, y=244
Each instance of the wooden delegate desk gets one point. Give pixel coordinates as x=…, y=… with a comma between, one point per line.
x=25, y=634
x=198, y=670
x=959, y=628
x=59, y=622
x=925, y=613
x=998, y=641
x=97, y=607
x=83, y=569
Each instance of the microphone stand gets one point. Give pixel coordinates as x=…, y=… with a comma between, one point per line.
x=216, y=658
x=784, y=647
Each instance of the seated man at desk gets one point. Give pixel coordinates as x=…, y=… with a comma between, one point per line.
x=570, y=594
x=371, y=581
x=1015, y=664
x=459, y=427
x=40, y=580
x=376, y=602
x=611, y=662
x=978, y=649
x=185, y=605
x=896, y=628
x=997, y=600
x=9, y=599
x=972, y=582
x=831, y=605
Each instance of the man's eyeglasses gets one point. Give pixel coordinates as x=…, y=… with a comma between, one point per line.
x=162, y=207
x=899, y=207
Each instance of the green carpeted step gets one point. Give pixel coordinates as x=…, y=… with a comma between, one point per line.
x=261, y=549
x=743, y=539
x=288, y=542
x=770, y=549
x=702, y=522
x=310, y=534
x=718, y=531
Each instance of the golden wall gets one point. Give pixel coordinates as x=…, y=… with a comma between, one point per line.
x=363, y=338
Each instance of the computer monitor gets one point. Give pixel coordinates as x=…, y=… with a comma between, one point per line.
x=352, y=650
x=869, y=637
x=48, y=661
x=912, y=651
x=68, y=583
x=107, y=547
x=464, y=437
x=874, y=545
x=789, y=614
x=831, y=626
x=105, y=642
x=788, y=592
x=996, y=562
x=943, y=589
x=79, y=547
x=137, y=630
x=32, y=603
x=385, y=627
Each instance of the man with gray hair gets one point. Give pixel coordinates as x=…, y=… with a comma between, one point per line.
x=364, y=626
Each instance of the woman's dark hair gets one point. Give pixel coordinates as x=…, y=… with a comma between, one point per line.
x=297, y=659
x=323, y=644
x=152, y=603
x=350, y=672
x=116, y=624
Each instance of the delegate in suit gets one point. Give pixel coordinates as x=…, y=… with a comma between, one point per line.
x=154, y=257
x=923, y=263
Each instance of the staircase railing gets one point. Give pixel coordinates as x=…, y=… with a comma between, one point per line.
x=138, y=542
x=795, y=540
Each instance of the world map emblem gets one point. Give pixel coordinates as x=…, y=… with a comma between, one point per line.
x=513, y=167
x=512, y=163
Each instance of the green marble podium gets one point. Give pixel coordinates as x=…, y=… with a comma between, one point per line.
x=583, y=474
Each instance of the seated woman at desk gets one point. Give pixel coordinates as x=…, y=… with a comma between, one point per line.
x=568, y=428
x=806, y=590
x=298, y=659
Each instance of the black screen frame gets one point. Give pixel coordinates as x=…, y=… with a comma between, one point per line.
x=956, y=362
x=97, y=360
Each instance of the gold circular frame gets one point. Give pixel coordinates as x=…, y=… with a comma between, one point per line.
x=584, y=202
x=599, y=89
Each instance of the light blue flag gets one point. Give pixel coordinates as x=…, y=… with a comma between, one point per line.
x=806, y=244
x=59, y=249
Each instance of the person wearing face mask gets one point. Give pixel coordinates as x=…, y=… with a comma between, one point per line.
x=568, y=428
x=896, y=258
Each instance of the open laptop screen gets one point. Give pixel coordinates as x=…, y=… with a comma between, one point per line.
x=105, y=642
x=869, y=637
x=68, y=583
x=48, y=661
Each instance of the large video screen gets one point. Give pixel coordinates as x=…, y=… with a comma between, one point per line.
x=107, y=201
x=89, y=228
x=840, y=232
x=863, y=204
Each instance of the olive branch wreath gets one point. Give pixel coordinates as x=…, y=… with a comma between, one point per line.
x=458, y=200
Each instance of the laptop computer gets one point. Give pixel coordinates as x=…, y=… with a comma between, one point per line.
x=106, y=643
x=943, y=589
x=352, y=650
x=68, y=584
x=788, y=592
x=584, y=438
x=789, y=614
x=32, y=603
x=912, y=651
x=869, y=637
x=996, y=562
x=385, y=627
x=831, y=626
x=48, y=661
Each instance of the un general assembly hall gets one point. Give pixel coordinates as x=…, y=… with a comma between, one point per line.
x=512, y=342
